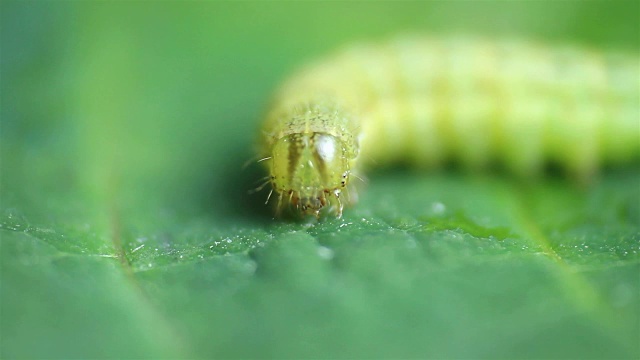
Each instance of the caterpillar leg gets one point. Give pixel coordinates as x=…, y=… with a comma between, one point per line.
x=340, y=205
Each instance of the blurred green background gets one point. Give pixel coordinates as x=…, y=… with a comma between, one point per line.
x=126, y=230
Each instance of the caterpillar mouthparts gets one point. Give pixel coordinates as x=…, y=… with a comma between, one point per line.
x=427, y=101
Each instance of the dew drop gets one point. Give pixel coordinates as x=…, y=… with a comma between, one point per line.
x=250, y=267
x=325, y=252
x=438, y=208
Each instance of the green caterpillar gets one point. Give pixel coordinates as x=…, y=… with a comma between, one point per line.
x=428, y=101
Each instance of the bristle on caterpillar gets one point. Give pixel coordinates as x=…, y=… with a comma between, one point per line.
x=428, y=101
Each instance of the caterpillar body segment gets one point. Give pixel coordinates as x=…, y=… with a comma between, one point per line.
x=428, y=101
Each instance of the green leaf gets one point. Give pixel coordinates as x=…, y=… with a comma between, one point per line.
x=126, y=230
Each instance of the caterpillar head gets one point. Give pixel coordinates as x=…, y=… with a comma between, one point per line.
x=310, y=170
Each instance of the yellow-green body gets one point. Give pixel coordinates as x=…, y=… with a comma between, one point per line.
x=427, y=101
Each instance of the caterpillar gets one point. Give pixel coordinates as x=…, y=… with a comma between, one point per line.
x=428, y=101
